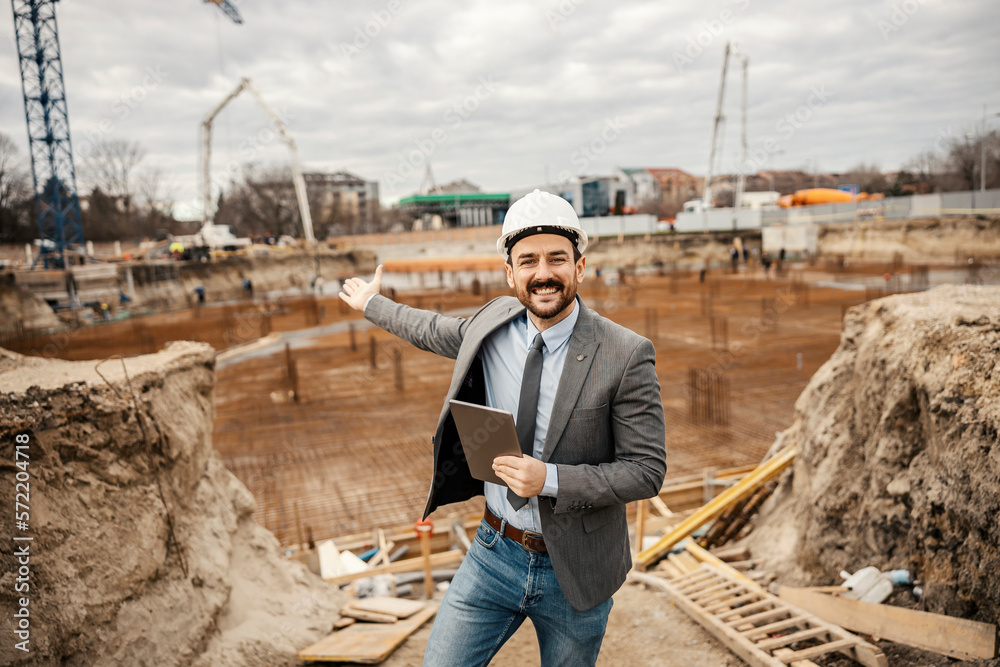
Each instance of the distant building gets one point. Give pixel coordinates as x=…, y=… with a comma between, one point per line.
x=341, y=199
x=459, y=187
x=662, y=190
x=591, y=196
x=642, y=186
x=677, y=184
x=457, y=209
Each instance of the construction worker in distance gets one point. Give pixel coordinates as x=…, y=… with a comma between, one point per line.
x=553, y=545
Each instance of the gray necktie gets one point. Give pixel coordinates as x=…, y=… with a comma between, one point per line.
x=527, y=408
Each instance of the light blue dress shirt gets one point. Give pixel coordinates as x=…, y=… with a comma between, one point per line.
x=503, y=354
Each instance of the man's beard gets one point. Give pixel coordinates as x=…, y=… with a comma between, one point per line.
x=567, y=293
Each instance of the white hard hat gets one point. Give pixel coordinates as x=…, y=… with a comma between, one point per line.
x=540, y=213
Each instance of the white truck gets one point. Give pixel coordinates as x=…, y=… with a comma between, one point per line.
x=199, y=246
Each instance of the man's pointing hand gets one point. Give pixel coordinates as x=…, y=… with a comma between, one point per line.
x=356, y=291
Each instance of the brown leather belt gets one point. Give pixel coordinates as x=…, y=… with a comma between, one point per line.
x=531, y=541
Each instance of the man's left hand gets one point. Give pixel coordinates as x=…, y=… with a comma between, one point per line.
x=523, y=474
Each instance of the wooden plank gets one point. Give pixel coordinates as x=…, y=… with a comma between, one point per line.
x=343, y=622
x=816, y=651
x=765, y=630
x=764, y=472
x=946, y=635
x=731, y=592
x=680, y=564
x=699, y=594
x=368, y=643
x=383, y=604
x=365, y=615
x=782, y=652
x=730, y=554
x=698, y=578
x=705, y=556
x=737, y=614
x=733, y=602
x=808, y=633
x=690, y=561
x=762, y=616
x=661, y=506
x=728, y=636
x=408, y=565
x=669, y=569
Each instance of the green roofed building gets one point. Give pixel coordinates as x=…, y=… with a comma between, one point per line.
x=466, y=209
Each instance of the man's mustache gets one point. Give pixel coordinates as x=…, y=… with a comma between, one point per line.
x=542, y=284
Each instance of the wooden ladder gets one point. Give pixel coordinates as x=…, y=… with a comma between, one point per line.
x=759, y=627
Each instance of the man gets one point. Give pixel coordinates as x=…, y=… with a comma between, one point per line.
x=553, y=545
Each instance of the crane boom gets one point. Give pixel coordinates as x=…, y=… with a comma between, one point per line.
x=206, y=153
x=740, y=181
x=707, y=198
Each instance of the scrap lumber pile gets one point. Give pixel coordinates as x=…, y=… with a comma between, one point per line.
x=759, y=627
x=373, y=624
x=369, y=630
x=786, y=625
x=745, y=489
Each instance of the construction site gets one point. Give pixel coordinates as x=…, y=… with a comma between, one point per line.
x=212, y=460
x=845, y=406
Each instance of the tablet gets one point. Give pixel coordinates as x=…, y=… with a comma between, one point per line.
x=486, y=433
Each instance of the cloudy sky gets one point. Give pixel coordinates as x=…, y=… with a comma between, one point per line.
x=509, y=94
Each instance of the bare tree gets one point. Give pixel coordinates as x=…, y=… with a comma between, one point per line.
x=110, y=166
x=264, y=203
x=928, y=169
x=15, y=194
x=963, y=162
x=868, y=177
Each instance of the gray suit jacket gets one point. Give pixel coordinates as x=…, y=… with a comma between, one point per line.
x=606, y=434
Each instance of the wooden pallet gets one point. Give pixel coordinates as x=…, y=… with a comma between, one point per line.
x=760, y=628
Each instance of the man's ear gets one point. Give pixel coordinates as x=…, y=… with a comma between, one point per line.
x=581, y=269
x=510, y=274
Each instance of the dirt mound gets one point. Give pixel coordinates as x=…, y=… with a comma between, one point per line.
x=144, y=549
x=899, y=459
x=223, y=279
x=19, y=305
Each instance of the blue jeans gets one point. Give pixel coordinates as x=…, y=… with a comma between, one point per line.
x=498, y=585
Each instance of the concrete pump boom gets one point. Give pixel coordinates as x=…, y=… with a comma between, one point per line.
x=206, y=157
x=731, y=48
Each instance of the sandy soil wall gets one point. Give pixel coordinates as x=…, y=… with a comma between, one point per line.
x=145, y=551
x=899, y=463
x=918, y=240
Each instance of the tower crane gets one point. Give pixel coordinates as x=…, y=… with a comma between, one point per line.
x=206, y=157
x=57, y=204
x=54, y=176
x=731, y=49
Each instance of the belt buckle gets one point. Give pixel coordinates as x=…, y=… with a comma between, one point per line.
x=525, y=536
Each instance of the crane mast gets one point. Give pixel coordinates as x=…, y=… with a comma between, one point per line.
x=54, y=176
